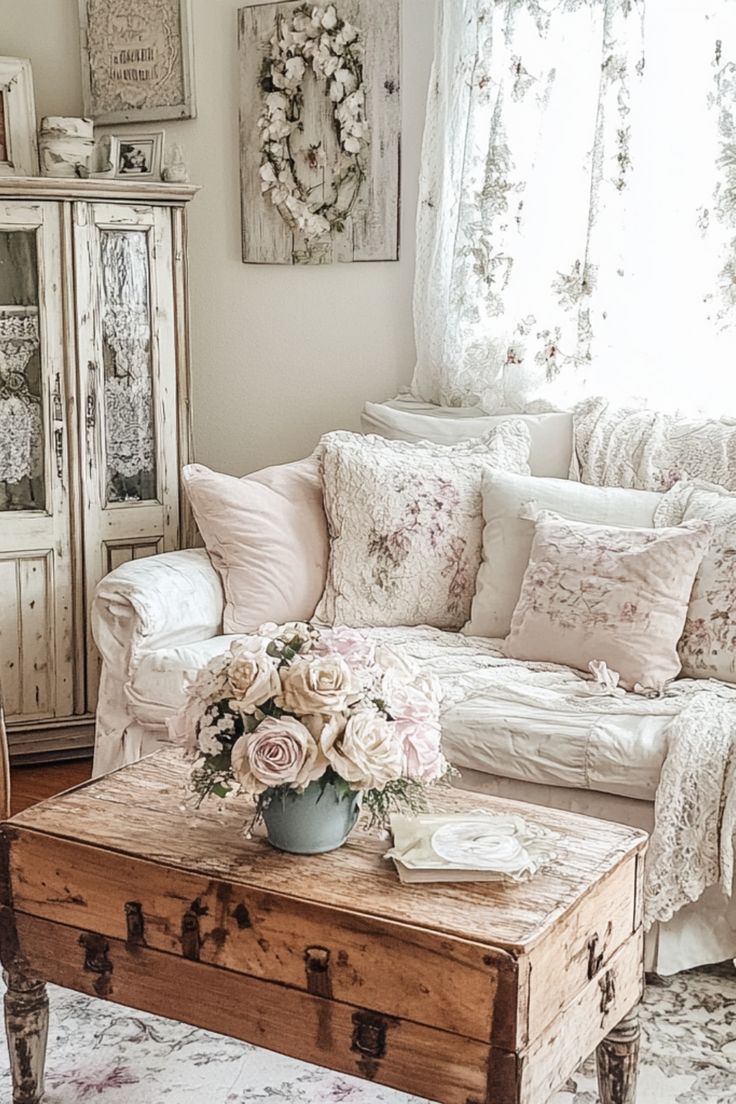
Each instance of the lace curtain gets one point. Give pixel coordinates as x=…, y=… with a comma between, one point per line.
x=577, y=216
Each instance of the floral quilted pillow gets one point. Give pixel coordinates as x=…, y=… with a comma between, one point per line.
x=597, y=593
x=708, y=644
x=405, y=523
x=647, y=450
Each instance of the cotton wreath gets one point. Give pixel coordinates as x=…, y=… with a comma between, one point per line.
x=313, y=37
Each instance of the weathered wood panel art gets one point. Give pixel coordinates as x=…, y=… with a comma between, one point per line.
x=137, y=60
x=320, y=131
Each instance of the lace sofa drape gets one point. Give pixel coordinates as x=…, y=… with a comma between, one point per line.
x=577, y=216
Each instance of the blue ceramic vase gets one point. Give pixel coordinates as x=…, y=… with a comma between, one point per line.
x=309, y=823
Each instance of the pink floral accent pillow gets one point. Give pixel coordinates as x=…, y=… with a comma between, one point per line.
x=593, y=592
x=708, y=643
x=406, y=524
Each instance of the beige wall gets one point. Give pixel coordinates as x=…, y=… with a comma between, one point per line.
x=280, y=354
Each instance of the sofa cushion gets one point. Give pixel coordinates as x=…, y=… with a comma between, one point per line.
x=644, y=449
x=540, y=734
x=508, y=501
x=607, y=594
x=406, y=524
x=267, y=537
x=707, y=647
x=407, y=419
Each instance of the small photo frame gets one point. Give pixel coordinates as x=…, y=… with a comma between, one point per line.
x=18, y=145
x=137, y=156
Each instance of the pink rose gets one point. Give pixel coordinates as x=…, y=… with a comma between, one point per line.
x=423, y=758
x=280, y=752
x=358, y=652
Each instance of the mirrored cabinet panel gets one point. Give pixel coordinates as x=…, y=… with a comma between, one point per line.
x=94, y=427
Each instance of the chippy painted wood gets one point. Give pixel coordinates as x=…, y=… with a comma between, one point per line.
x=618, y=1062
x=26, y=1029
x=113, y=531
x=431, y=989
x=102, y=189
x=43, y=558
x=37, y=574
x=4, y=764
x=371, y=231
x=18, y=103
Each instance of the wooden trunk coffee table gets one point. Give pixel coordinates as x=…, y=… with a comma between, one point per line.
x=464, y=994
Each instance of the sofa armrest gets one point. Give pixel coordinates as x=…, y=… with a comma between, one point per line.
x=157, y=602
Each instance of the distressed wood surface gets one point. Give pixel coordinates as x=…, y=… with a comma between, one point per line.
x=403, y=1055
x=115, y=532
x=26, y=1007
x=371, y=232
x=37, y=574
x=617, y=1059
x=467, y=994
x=576, y=1032
x=124, y=812
x=48, y=559
x=35, y=188
x=272, y=936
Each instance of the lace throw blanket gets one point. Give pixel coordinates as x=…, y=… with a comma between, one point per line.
x=692, y=845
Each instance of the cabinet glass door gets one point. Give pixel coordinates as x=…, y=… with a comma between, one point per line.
x=128, y=388
x=21, y=424
x=130, y=436
x=36, y=602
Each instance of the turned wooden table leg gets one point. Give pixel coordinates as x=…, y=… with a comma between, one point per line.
x=617, y=1059
x=26, y=1026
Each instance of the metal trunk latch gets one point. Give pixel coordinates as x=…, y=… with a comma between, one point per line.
x=608, y=990
x=317, y=964
x=369, y=1034
x=595, y=957
x=97, y=961
x=134, y=921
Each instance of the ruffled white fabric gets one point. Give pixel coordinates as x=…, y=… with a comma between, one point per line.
x=692, y=846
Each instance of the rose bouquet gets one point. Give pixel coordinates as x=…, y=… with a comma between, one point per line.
x=297, y=709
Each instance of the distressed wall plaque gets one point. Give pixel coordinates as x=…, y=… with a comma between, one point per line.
x=320, y=131
x=137, y=60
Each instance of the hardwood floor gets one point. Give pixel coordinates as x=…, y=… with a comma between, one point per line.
x=31, y=784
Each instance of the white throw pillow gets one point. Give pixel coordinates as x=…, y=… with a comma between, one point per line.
x=405, y=525
x=266, y=534
x=707, y=647
x=509, y=502
x=411, y=420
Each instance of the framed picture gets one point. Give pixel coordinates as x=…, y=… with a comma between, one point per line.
x=137, y=156
x=18, y=145
x=320, y=131
x=137, y=60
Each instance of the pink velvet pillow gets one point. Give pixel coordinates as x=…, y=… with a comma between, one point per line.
x=266, y=535
x=593, y=592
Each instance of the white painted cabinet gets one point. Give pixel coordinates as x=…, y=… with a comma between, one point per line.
x=94, y=427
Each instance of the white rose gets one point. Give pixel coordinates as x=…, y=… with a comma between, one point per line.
x=281, y=752
x=368, y=753
x=253, y=675
x=317, y=684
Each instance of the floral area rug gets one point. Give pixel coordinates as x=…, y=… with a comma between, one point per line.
x=104, y=1053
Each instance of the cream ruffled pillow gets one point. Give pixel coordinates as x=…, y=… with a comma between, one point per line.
x=406, y=523
x=708, y=644
x=597, y=593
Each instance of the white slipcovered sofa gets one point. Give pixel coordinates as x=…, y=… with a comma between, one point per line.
x=157, y=621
